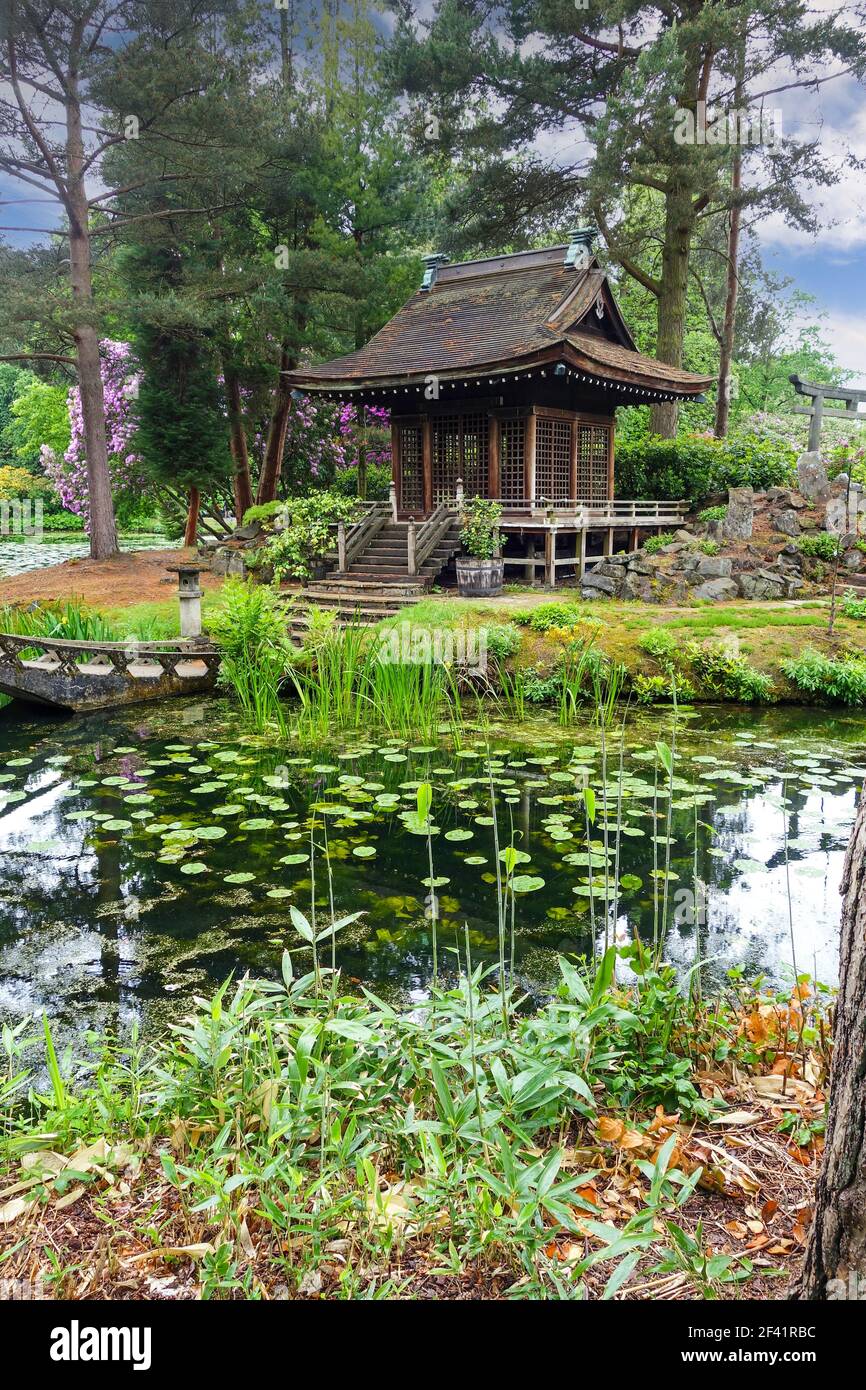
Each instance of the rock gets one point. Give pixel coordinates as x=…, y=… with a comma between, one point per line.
x=787, y=522
x=716, y=531
x=641, y=564
x=836, y=515
x=637, y=586
x=247, y=533
x=737, y=525
x=716, y=589
x=683, y=535
x=763, y=584
x=609, y=567
x=594, y=585
x=853, y=559
x=673, y=547
x=812, y=477
x=714, y=566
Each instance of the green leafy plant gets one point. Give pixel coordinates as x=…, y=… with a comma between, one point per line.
x=306, y=536
x=834, y=679
x=717, y=513
x=502, y=640
x=250, y=627
x=479, y=527
x=653, y=544
x=728, y=676
x=854, y=607
x=820, y=545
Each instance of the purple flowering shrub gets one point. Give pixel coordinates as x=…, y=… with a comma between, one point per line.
x=120, y=381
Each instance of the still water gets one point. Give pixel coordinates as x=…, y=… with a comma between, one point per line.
x=146, y=855
x=22, y=556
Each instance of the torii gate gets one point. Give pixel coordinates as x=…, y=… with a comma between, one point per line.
x=821, y=391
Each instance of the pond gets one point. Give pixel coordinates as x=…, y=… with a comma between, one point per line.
x=22, y=556
x=146, y=855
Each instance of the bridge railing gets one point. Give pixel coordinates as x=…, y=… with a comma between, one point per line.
x=68, y=656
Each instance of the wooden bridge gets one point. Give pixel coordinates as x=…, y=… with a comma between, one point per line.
x=100, y=675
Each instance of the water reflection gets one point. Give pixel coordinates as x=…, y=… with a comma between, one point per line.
x=146, y=856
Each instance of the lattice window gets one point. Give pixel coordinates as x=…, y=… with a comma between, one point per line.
x=593, y=443
x=512, y=472
x=446, y=457
x=552, y=459
x=411, y=468
x=475, y=464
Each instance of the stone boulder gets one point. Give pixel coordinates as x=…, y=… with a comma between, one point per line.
x=812, y=477
x=594, y=585
x=716, y=589
x=764, y=584
x=740, y=519
x=714, y=566
x=787, y=522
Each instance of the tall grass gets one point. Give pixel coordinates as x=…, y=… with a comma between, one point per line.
x=250, y=629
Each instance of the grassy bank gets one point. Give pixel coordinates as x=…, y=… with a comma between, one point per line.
x=288, y=1140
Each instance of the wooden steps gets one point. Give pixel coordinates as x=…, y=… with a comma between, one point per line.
x=377, y=584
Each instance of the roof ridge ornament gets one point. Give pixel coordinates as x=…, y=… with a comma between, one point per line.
x=431, y=268
x=579, y=253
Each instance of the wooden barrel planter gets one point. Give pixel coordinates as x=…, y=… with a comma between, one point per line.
x=479, y=578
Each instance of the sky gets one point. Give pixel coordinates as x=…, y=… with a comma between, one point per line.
x=831, y=267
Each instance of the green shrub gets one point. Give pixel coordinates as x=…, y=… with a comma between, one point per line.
x=657, y=543
x=307, y=535
x=479, y=527
x=708, y=547
x=548, y=615
x=654, y=690
x=661, y=646
x=727, y=676
x=265, y=512
x=818, y=544
x=378, y=481
x=693, y=466
x=713, y=514
x=837, y=680
x=503, y=640
x=854, y=607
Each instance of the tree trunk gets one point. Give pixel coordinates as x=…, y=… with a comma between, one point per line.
x=190, y=535
x=103, y=531
x=836, y=1249
x=679, y=220
x=242, y=482
x=726, y=355
x=276, y=441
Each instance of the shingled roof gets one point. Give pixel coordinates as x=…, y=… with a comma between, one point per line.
x=502, y=315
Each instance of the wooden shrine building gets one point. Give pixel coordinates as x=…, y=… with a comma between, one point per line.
x=502, y=377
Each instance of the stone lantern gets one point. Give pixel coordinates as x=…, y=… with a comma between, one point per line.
x=189, y=594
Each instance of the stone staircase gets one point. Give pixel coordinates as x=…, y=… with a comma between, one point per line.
x=377, y=583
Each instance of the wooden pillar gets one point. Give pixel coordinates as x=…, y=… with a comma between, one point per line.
x=610, y=435
x=427, y=462
x=396, y=463
x=580, y=557
x=529, y=456
x=493, y=446
x=572, y=463
x=529, y=571
x=633, y=540
x=608, y=541
x=550, y=558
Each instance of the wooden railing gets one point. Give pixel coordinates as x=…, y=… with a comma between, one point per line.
x=621, y=511
x=352, y=540
x=422, y=540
